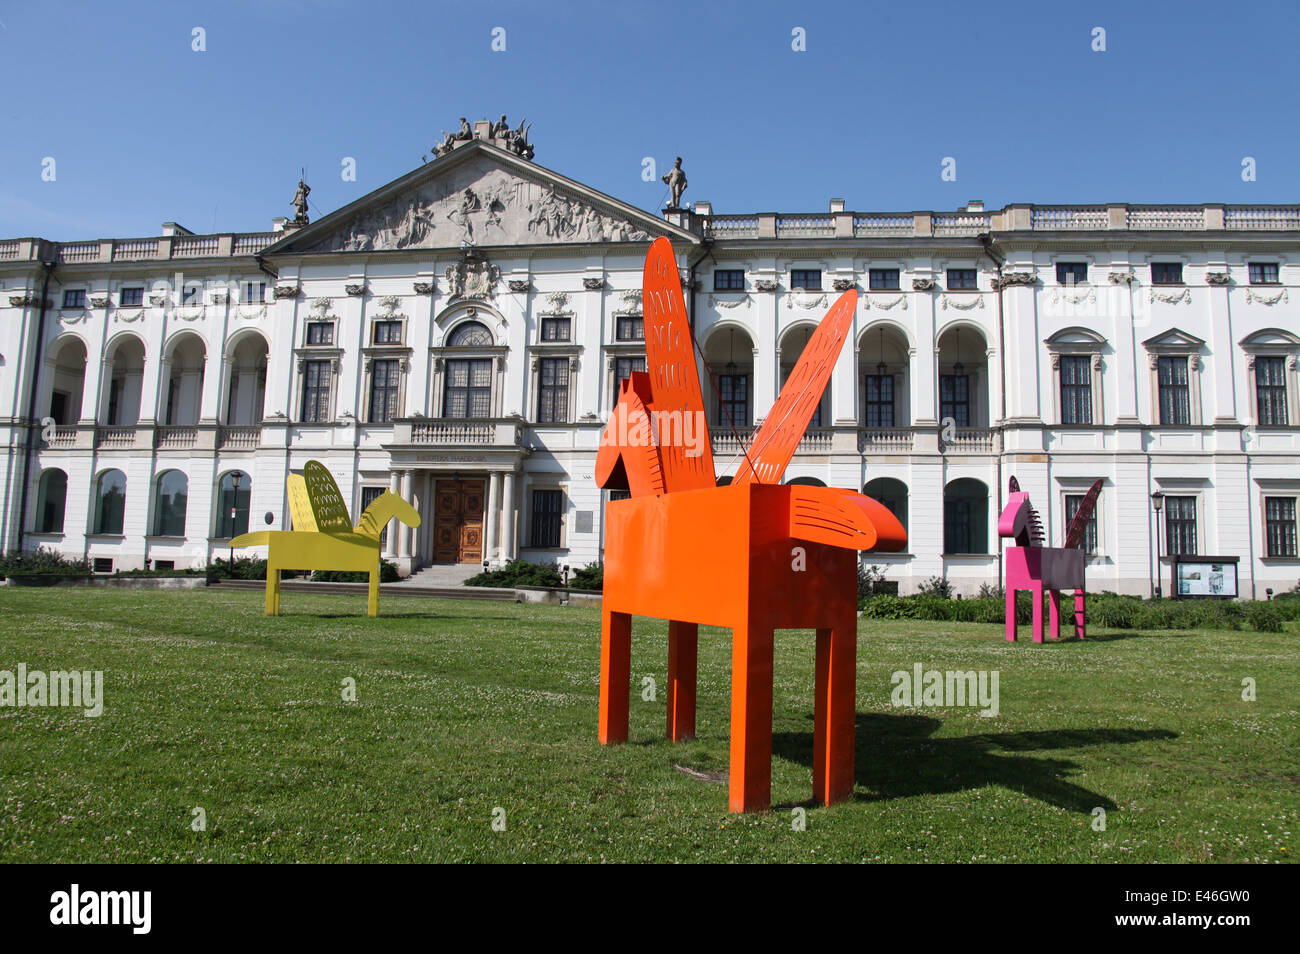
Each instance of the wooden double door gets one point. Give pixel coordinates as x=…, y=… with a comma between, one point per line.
x=458, y=521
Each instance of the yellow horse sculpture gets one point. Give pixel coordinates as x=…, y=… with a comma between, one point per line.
x=322, y=537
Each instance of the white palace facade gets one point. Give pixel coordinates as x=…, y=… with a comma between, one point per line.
x=458, y=336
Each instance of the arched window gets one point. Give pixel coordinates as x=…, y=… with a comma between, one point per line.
x=169, y=506
x=110, y=502
x=233, y=494
x=806, y=482
x=892, y=493
x=51, y=496
x=966, y=516
x=470, y=334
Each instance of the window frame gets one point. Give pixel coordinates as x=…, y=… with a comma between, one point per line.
x=879, y=279
x=734, y=281
x=74, y=298
x=1262, y=266
x=635, y=323
x=1184, y=521
x=1063, y=270
x=879, y=403
x=320, y=415
x=313, y=324
x=806, y=279
x=1288, y=527
x=136, y=294
x=956, y=279
x=554, y=519
x=1167, y=268
x=1094, y=521
x=559, y=409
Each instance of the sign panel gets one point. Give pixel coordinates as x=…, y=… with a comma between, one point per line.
x=1205, y=576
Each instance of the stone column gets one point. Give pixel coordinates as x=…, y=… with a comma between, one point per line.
x=493, y=518
x=390, y=545
x=403, y=531
x=508, y=517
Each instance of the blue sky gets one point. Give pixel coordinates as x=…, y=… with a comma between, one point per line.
x=143, y=129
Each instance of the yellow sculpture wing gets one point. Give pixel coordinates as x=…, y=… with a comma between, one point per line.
x=299, y=505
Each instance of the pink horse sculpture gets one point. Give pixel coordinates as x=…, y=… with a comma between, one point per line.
x=1032, y=566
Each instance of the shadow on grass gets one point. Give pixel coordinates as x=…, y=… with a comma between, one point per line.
x=897, y=757
x=362, y=615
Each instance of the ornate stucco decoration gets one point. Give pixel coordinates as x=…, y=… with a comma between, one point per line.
x=24, y=301
x=593, y=284
x=355, y=291
x=72, y=317
x=388, y=308
x=806, y=301
x=716, y=302
x=1013, y=278
x=424, y=288
x=884, y=304
x=251, y=311
x=473, y=277
x=1172, y=298
x=158, y=299
x=287, y=291
x=923, y=284
x=962, y=303
x=557, y=306
x=631, y=300
x=520, y=286
x=1217, y=278
x=1279, y=296
x=220, y=297
x=128, y=316
x=188, y=312
x=1085, y=293
x=1122, y=278
x=99, y=301
x=766, y=284
x=842, y=284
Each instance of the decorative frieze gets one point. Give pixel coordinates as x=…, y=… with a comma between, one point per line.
x=520, y=286
x=1009, y=279
x=1253, y=295
x=1173, y=298
x=924, y=284
x=99, y=301
x=424, y=288
x=842, y=284
x=961, y=303
x=593, y=284
x=1217, y=278
x=1122, y=278
x=287, y=291
x=766, y=284
x=355, y=291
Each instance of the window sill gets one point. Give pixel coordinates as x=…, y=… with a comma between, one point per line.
x=1280, y=559
x=104, y=537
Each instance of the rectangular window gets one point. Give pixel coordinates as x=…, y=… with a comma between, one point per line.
x=809, y=279
x=468, y=391
x=1263, y=273
x=623, y=368
x=129, y=297
x=882, y=279
x=729, y=279
x=1180, y=525
x=254, y=293
x=1175, y=399
x=954, y=401
x=384, y=377
x=553, y=391
x=1072, y=504
x=320, y=332
x=961, y=279
x=1280, y=526
x=1076, y=389
x=548, y=511
x=1270, y=391
x=629, y=328
x=733, y=395
x=368, y=496
x=387, y=333
x=103, y=565
x=879, y=401
x=192, y=295
x=965, y=527
x=316, y=392
x=74, y=298
x=557, y=328
x=1166, y=273
x=1071, y=273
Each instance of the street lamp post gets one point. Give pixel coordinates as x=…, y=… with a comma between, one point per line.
x=235, y=478
x=1158, y=502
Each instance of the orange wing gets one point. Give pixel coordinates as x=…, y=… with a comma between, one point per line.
x=628, y=458
x=774, y=444
x=844, y=518
x=676, y=402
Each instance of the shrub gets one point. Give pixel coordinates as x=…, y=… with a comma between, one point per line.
x=872, y=582
x=1264, y=618
x=591, y=577
x=936, y=586
x=1113, y=613
x=243, y=568
x=387, y=574
x=519, y=573
x=40, y=561
x=990, y=592
x=885, y=607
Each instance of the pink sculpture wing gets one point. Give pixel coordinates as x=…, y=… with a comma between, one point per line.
x=1079, y=525
x=784, y=427
x=677, y=405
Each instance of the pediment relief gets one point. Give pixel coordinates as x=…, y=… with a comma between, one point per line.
x=477, y=202
x=1078, y=339
x=1270, y=339
x=1174, y=340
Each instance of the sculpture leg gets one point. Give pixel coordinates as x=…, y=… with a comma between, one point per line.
x=751, y=718
x=1037, y=591
x=683, y=645
x=372, y=603
x=835, y=711
x=272, y=590
x=1011, y=615
x=1054, y=605
x=1080, y=621
x=615, y=675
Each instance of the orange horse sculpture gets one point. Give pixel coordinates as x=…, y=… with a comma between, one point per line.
x=753, y=556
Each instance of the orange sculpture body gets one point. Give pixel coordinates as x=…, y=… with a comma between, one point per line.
x=754, y=556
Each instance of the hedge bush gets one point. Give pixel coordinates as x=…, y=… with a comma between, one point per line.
x=41, y=561
x=590, y=577
x=519, y=573
x=387, y=574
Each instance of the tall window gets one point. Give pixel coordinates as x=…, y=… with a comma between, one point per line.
x=806, y=278
x=387, y=333
x=51, y=498
x=954, y=400
x=254, y=293
x=879, y=402
x=468, y=388
x=882, y=279
x=553, y=391
x=1270, y=390
x=623, y=368
x=320, y=332
x=1072, y=504
x=384, y=378
x=74, y=298
x=1180, y=525
x=1166, y=273
x=1076, y=389
x=548, y=512
x=729, y=279
x=892, y=494
x=169, y=506
x=368, y=496
x=110, y=502
x=961, y=279
x=1280, y=526
x=965, y=517
x=1071, y=273
x=557, y=328
x=232, y=505
x=1263, y=273
x=131, y=296
x=1175, y=401
x=733, y=395
x=316, y=392
x=629, y=328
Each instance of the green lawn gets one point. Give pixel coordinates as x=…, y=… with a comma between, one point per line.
x=464, y=707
